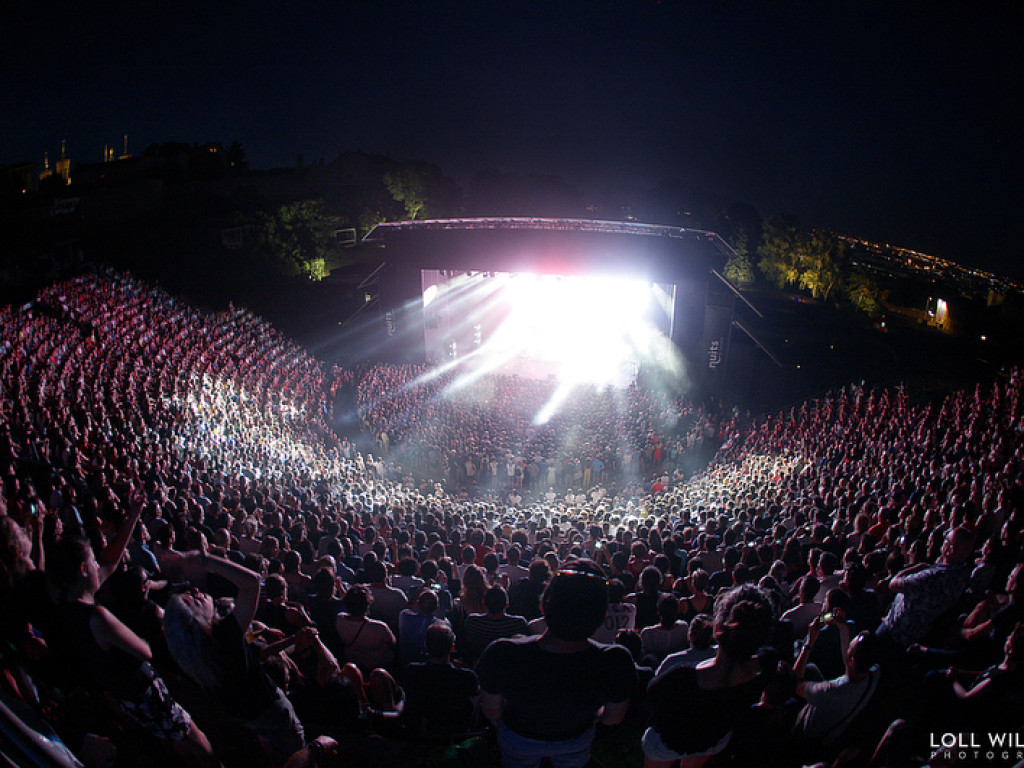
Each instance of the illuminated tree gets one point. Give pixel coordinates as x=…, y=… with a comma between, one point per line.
x=863, y=292
x=369, y=219
x=422, y=189
x=297, y=237
x=822, y=261
x=408, y=186
x=740, y=241
x=740, y=271
x=781, y=251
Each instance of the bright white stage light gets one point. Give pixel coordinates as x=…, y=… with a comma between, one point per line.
x=596, y=330
x=588, y=326
x=429, y=295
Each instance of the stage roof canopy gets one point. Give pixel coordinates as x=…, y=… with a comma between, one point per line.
x=555, y=246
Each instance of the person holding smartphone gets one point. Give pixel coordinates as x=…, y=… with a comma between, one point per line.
x=835, y=703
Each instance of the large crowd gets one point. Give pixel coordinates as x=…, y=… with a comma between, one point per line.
x=196, y=569
x=483, y=434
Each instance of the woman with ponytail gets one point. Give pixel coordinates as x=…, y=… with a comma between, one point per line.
x=694, y=709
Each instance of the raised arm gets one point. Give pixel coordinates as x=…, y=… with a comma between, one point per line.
x=800, y=667
x=114, y=551
x=247, y=582
x=844, y=641
x=111, y=633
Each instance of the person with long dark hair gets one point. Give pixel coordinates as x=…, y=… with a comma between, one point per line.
x=105, y=655
x=694, y=709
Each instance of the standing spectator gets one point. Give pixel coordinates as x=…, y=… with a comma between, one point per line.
x=545, y=693
x=110, y=657
x=512, y=571
x=525, y=596
x=620, y=615
x=646, y=600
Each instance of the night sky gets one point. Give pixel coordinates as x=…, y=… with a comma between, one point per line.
x=896, y=121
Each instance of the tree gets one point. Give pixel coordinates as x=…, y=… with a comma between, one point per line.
x=740, y=270
x=297, y=237
x=863, y=292
x=740, y=241
x=422, y=188
x=812, y=261
x=822, y=263
x=781, y=251
x=369, y=219
x=408, y=186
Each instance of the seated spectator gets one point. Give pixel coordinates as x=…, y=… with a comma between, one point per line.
x=807, y=608
x=762, y=737
x=325, y=607
x=832, y=705
x=480, y=629
x=863, y=609
x=440, y=696
x=388, y=602
x=299, y=584
x=277, y=612
x=827, y=657
x=432, y=580
x=996, y=618
x=368, y=643
x=700, y=600
x=924, y=592
x=406, y=578
x=695, y=709
x=828, y=574
x=993, y=698
x=669, y=635
x=700, y=635
x=412, y=628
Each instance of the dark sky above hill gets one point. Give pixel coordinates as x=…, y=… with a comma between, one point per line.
x=899, y=122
